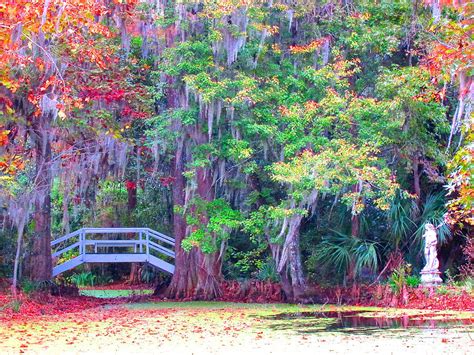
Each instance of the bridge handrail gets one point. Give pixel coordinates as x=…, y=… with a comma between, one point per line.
x=66, y=237
x=88, y=230
x=159, y=237
x=161, y=249
x=159, y=233
x=117, y=242
x=62, y=251
x=105, y=230
x=147, y=239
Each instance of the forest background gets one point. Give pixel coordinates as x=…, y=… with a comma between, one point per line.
x=296, y=141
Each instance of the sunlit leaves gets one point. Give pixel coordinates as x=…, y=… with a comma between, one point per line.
x=334, y=170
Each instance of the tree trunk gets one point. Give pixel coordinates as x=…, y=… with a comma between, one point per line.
x=286, y=285
x=134, y=277
x=355, y=217
x=209, y=265
x=41, y=262
x=416, y=180
x=131, y=196
x=184, y=278
x=209, y=276
x=19, y=242
x=298, y=282
x=291, y=260
x=183, y=283
x=355, y=225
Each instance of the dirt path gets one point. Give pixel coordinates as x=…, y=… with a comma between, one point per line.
x=212, y=328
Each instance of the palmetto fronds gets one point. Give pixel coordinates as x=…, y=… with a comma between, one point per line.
x=343, y=251
x=433, y=212
x=401, y=217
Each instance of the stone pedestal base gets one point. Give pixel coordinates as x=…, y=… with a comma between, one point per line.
x=430, y=278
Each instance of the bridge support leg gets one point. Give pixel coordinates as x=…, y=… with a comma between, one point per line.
x=147, y=236
x=141, y=246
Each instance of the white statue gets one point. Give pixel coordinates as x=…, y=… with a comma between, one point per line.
x=431, y=254
x=430, y=273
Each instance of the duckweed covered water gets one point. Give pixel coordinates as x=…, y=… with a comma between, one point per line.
x=363, y=321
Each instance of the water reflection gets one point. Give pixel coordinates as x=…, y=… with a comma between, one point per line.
x=362, y=322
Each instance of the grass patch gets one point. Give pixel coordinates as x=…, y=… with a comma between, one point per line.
x=114, y=293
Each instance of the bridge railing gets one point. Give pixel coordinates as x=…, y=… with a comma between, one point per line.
x=85, y=241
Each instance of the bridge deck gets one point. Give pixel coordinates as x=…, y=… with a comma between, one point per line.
x=146, y=246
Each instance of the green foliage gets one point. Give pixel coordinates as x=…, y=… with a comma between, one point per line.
x=148, y=274
x=345, y=253
x=268, y=272
x=466, y=285
x=29, y=286
x=398, y=280
x=401, y=278
x=334, y=170
x=84, y=279
x=401, y=216
x=212, y=222
x=434, y=211
x=14, y=305
x=443, y=290
x=102, y=280
x=413, y=281
x=312, y=111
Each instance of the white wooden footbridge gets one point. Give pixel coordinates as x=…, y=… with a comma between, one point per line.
x=94, y=245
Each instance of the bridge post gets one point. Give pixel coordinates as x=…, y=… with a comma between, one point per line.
x=141, y=240
x=81, y=243
x=147, y=236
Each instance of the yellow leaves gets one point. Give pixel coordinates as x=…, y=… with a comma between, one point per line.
x=337, y=168
x=115, y=133
x=273, y=30
x=12, y=85
x=276, y=48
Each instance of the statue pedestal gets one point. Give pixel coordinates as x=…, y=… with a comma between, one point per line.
x=430, y=278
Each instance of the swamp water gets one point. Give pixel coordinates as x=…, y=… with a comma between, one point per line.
x=364, y=322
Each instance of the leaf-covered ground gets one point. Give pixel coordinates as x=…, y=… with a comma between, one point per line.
x=217, y=328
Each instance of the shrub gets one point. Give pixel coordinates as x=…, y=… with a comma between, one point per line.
x=467, y=269
x=397, y=280
x=466, y=285
x=401, y=277
x=104, y=279
x=268, y=272
x=442, y=290
x=413, y=281
x=29, y=286
x=147, y=275
x=84, y=279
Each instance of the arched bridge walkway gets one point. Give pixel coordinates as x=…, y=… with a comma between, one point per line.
x=113, y=245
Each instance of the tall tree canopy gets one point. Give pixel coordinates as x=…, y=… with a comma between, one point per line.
x=286, y=136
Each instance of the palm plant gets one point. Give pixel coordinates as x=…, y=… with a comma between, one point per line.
x=347, y=254
x=434, y=210
x=401, y=218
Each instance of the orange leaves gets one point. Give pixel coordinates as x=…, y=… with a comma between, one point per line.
x=284, y=111
x=10, y=165
x=449, y=3
x=452, y=51
x=309, y=48
x=311, y=105
x=3, y=136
